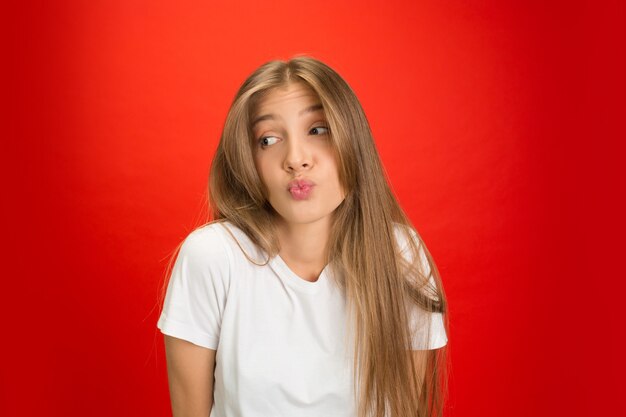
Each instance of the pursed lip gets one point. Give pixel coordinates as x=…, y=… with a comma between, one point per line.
x=300, y=183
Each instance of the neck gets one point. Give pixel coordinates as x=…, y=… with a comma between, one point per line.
x=304, y=243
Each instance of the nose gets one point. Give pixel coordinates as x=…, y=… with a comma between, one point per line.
x=298, y=157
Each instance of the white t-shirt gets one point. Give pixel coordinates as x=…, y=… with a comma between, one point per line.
x=282, y=343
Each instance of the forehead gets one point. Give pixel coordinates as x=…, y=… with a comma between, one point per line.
x=291, y=96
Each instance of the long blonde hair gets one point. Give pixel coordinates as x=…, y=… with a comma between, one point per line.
x=381, y=285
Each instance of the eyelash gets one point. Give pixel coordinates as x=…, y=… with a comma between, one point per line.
x=263, y=146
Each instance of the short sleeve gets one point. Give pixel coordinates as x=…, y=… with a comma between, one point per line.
x=197, y=290
x=421, y=321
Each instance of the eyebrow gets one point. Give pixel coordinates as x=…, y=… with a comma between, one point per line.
x=310, y=109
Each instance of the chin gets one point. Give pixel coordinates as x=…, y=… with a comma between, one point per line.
x=303, y=218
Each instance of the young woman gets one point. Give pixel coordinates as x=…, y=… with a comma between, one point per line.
x=309, y=293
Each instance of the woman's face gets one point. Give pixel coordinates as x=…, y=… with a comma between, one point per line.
x=294, y=156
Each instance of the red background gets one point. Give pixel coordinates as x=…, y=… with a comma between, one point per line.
x=498, y=123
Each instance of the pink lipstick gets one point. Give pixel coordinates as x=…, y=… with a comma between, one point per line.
x=300, y=189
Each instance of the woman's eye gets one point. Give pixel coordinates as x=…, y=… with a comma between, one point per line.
x=267, y=141
x=319, y=130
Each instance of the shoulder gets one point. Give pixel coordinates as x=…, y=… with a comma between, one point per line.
x=207, y=239
x=403, y=233
x=240, y=245
x=220, y=241
x=206, y=248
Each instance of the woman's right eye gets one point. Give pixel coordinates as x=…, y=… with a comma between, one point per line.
x=266, y=141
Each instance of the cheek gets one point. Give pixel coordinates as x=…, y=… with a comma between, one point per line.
x=261, y=167
x=262, y=176
x=331, y=177
x=266, y=174
x=331, y=166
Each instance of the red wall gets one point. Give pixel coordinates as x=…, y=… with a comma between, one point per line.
x=498, y=123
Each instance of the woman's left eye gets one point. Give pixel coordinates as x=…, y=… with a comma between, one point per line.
x=319, y=130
